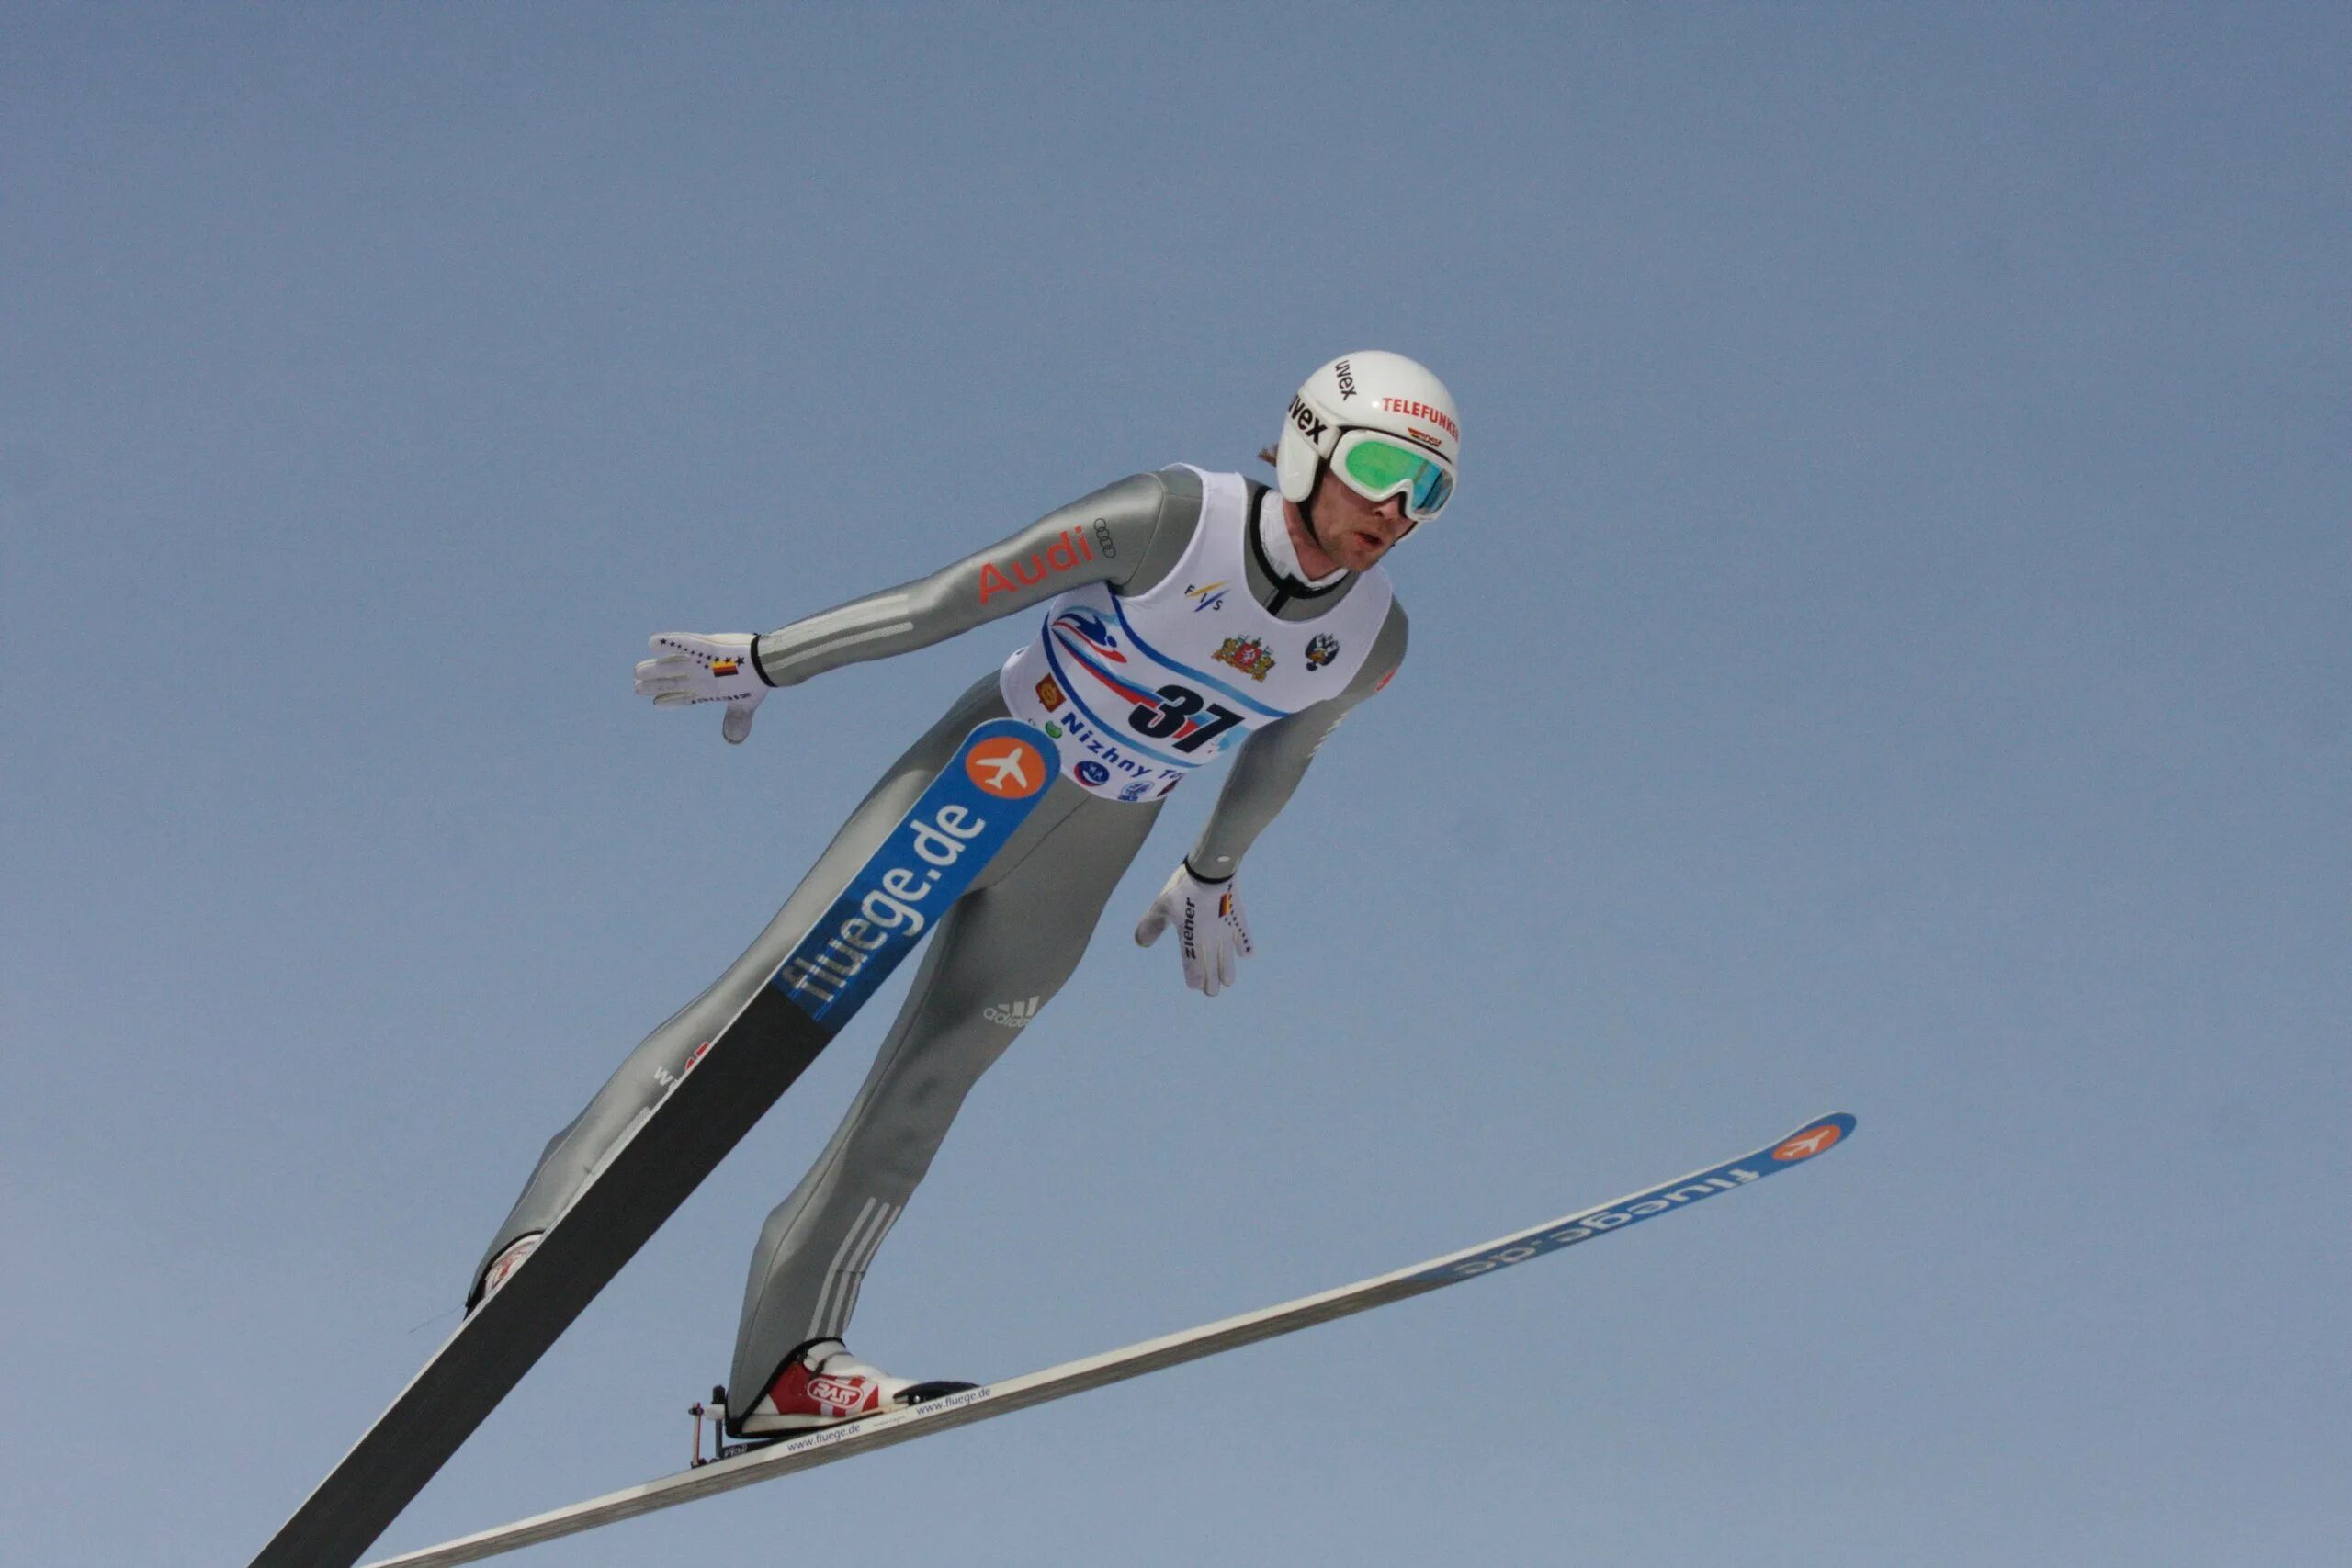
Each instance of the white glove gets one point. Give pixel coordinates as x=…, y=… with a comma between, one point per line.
x=1209, y=918
x=692, y=667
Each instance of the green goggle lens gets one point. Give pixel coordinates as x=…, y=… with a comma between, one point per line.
x=1379, y=468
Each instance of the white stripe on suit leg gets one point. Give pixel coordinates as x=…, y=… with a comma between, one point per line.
x=857, y=1273
x=826, y=1325
x=832, y=1271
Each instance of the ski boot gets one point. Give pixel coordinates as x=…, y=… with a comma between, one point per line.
x=824, y=1385
x=502, y=1267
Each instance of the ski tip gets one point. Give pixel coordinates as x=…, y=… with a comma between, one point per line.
x=1817, y=1136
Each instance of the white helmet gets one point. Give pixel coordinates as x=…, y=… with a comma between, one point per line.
x=1373, y=390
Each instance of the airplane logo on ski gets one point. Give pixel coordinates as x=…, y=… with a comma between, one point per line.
x=1810, y=1142
x=1009, y=769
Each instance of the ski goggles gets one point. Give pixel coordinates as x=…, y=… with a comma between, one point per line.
x=1377, y=465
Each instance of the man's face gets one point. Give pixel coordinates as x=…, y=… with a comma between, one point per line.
x=1353, y=532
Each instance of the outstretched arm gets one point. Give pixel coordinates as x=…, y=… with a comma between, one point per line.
x=1101, y=538
x=1119, y=534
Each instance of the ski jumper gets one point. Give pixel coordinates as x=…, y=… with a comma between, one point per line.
x=1173, y=625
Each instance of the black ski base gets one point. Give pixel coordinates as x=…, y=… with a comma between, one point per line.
x=704, y=1117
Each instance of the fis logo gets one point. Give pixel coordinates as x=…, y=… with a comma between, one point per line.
x=1207, y=596
x=1012, y=1015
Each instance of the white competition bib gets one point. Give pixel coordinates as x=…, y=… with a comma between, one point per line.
x=1141, y=691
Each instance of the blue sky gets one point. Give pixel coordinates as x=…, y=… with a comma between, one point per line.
x=1889, y=653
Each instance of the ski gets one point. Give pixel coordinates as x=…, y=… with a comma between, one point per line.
x=978, y=1403
x=963, y=818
